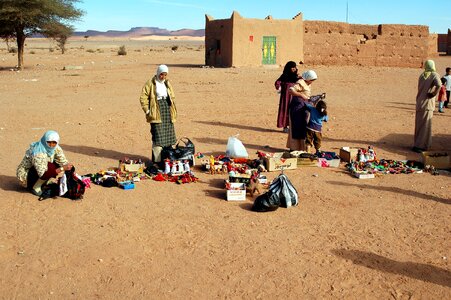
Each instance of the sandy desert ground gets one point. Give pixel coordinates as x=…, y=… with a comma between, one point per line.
x=383, y=238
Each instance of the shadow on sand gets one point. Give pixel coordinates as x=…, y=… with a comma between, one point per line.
x=98, y=152
x=395, y=190
x=11, y=183
x=413, y=270
x=238, y=126
x=397, y=143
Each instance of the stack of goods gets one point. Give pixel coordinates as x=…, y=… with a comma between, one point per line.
x=187, y=177
x=278, y=161
x=222, y=164
x=328, y=159
x=367, y=169
x=125, y=175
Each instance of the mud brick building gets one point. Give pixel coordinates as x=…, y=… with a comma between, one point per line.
x=255, y=42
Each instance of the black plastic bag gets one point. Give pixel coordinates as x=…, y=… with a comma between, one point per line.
x=49, y=191
x=281, y=193
x=266, y=202
x=182, y=150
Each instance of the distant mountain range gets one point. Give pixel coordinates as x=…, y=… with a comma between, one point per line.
x=140, y=32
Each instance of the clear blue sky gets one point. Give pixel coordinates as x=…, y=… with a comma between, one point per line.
x=105, y=15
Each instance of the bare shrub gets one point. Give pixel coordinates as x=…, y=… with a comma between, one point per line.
x=122, y=50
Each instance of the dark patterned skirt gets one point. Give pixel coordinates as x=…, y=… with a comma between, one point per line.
x=163, y=134
x=298, y=114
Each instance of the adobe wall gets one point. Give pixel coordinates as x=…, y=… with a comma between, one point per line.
x=433, y=45
x=442, y=42
x=448, y=48
x=218, y=42
x=248, y=39
x=337, y=43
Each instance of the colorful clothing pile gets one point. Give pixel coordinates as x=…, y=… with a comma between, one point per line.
x=384, y=166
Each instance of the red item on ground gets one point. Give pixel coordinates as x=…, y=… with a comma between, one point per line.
x=159, y=177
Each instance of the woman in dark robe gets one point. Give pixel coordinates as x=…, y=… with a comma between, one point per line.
x=282, y=84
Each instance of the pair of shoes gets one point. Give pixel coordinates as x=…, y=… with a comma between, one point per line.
x=441, y=111
x=417, y=150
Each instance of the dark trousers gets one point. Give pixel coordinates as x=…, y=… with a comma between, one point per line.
x=447, y=99
x=33, y=176
x=314, y=139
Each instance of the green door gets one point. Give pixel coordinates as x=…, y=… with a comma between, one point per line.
x=269, y=50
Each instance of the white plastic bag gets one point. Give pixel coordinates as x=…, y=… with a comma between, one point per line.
x=235, y=148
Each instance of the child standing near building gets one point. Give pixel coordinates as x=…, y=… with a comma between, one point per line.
x=448, y=85
x=317, y=115
x=442, y=97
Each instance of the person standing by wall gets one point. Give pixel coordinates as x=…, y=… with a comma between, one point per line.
x=282, y=84
x=448, y=86
x=428, y=87
x=441, y=98
x=157, y=102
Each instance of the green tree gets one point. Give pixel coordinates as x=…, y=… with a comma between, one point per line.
x=20, y=19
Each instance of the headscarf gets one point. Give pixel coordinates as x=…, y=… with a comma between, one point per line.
x=161, y=69
x=288, y=75
x=309, y=75
x=429, y=67
x=41, y=146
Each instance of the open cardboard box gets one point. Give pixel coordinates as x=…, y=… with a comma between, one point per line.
x=237, y=191
x=280, y=161
x=304, y=161
x=348, y=153
x=438, y=159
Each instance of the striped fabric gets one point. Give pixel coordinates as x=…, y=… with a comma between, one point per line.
x=287, y=193
x=163, y=134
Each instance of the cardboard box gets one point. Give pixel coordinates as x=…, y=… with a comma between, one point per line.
x=438, y=159
x=348, y=153
x=307, y=162
x=304, y=161
x=132, y=167
x=237, y=191
x=240, y=178
x=362, y=175
x=280, y=161
x=328, y=163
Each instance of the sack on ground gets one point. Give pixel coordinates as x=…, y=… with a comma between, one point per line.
x=285, y=190
x=75, y=186
x=266, y=202
x=281, y=193
x=235, y=148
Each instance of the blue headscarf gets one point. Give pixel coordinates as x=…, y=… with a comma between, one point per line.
x=42, y=146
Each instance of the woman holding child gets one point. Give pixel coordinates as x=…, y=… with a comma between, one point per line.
x=301, y=94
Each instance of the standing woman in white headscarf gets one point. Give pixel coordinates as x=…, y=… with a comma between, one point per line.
x=428, y=87
x=301, y=94
x=157, y=102
x=43, y=160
